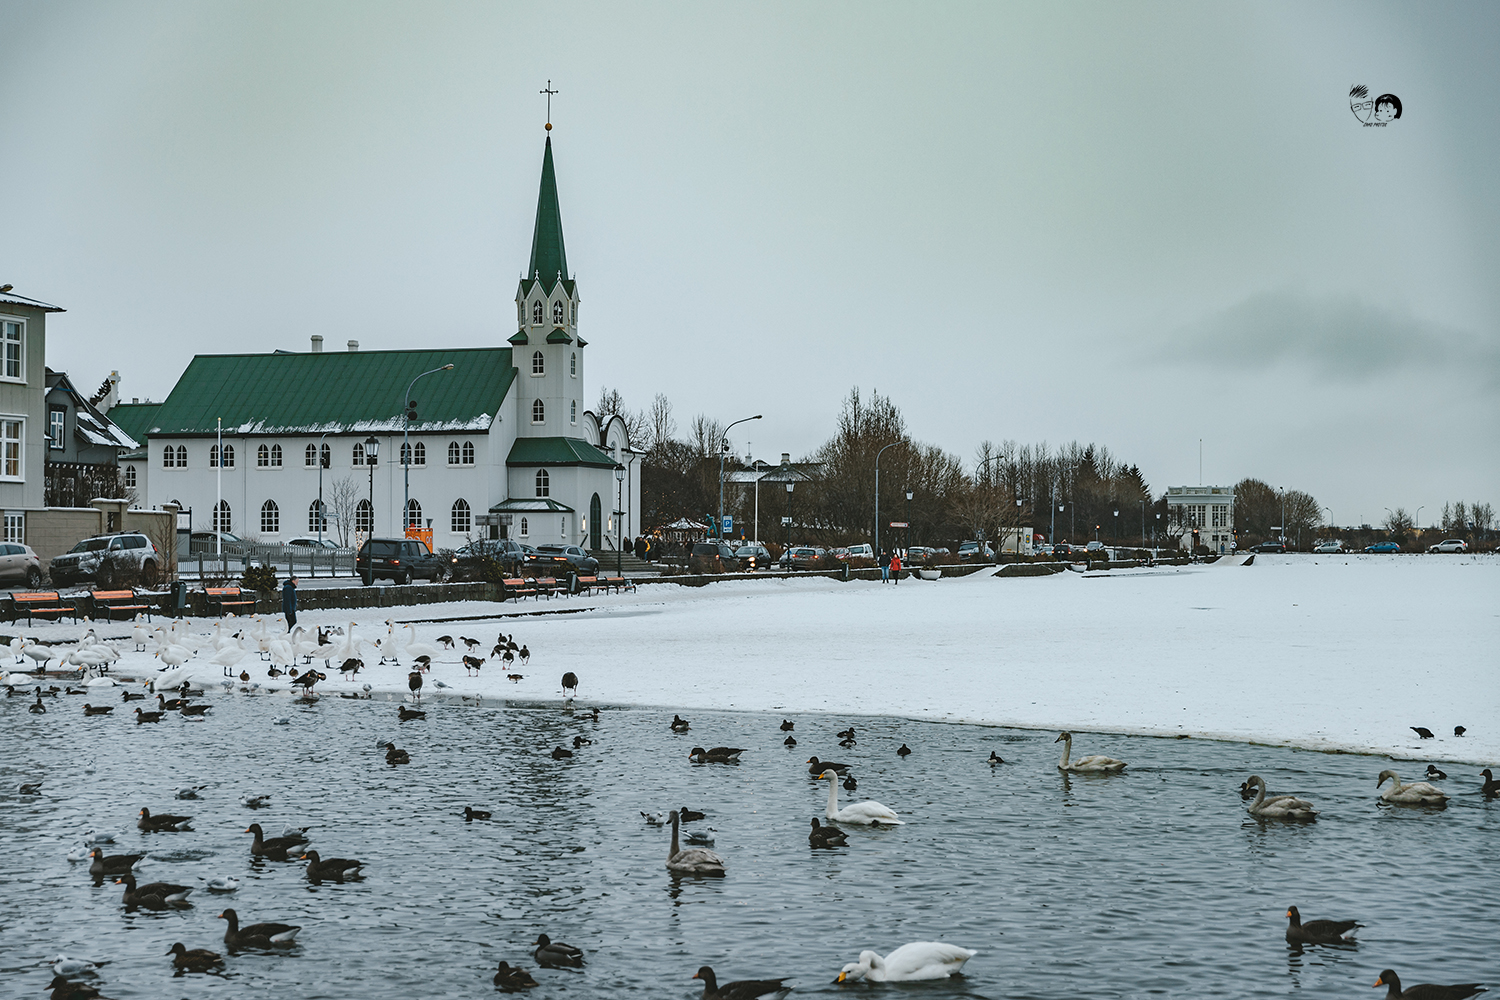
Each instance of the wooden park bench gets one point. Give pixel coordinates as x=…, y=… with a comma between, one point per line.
x=41, y=603
x=112, y=602
x=616, y=583
x=587, y=584
x=223, y=599
x=517, y=588
x=548, y=585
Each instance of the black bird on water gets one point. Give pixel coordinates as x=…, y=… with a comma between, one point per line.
x=850, y=784
x=1425, y=991
x=904, y=751
x=394, y=756
x=790, y=741
x=679, y=724
x=997, y=759
x=787, y=725
x=816, y=767
x=743, y=989
x=1317, y=931
x=551, y=954
x=1490, y=787
x=1421, y=731
x=406, y=714
x=561, y=753
x=826, y=836
x=470, y=813
x=1433, y=774
x=509, y=980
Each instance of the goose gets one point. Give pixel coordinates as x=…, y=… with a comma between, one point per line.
x=690, y=815
x=826, y=836
x=868, y=812
x=405, y=714
x=152, y=895
x=694, y=860
x=816, y=767
x=740, y=989
x=194, y=713
x=165, y=822
x=1317, y=931
x=679, y=724
x=1491, y=786
x=97, y=709
x=415, y=649
x=1418, y=793
x=331, y=870
x=393, y=756
x=551, y=954
x=163, y=704
x=113, y=864
x=1433, y=774
x=1425, y=991
x=1279, y=807
x=1096, y=764
x=716, y=755
x=470, y=813
x=257, y=935
x=141, y=716
x=274, y=847
x=196, y=960
x=918, y=960
x=511, y=980
x=222, y=883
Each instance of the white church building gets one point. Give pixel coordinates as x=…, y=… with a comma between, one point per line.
x=499, y=440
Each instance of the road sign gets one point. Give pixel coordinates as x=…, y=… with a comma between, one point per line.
x=899, y=524
x=728, y=523
x=786, y=520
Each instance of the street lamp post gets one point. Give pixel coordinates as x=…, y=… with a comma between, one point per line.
x=1117, y=527
x=1417, y=521
x=723, y=449
x=882, y=451
x=906, y=541
x=787, y=532
x=372, y=449
x=619, y=509
x=321, y=466
x=409, y=413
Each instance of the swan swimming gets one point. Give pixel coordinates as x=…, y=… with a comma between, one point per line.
x=694, y=860
x=1096, y=764
x=918, y=960
x=867, y=812
x=1418, y=793
x=1279, y=807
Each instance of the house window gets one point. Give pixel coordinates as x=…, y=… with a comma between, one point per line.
x=221, y=459
x=468, y=453
x=275, y=456
x=543, y=483
x=573, y=411
x=15, y=527
x=536, y=313
x=538, y=412
x=11, y=435
x=538, y=363
x=169, y=457
x=130, y=477
x=213, y=457
x=182, y=456
x=270, y=517
x=310, y=457
x=573, y=365
x=452, y=452
x=413, y=514
x=562, y=527
x=557, y=314
x=15, y=343
x=57, y=422
x=524, y=530
x=327, y=453
x=313, y=520
x=263, y=457
x=463, y=521
x=574, y=311
x=359, y=453
x=419, y=454
x=406, y=454
x=222, y=518
x=364, y=518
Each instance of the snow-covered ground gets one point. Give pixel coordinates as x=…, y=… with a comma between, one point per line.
x=1339, y=652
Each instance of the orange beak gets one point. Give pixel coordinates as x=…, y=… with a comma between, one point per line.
x=1380, y=981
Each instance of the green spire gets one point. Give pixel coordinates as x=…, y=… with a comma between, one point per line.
x=548, y=258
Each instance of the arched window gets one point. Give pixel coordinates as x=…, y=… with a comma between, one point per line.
x=413, y=514
x=130, y=477
x=538, y=412
x=313, y=524
x=573, y=412
x=182, y=456
x=574, y=310
x=275, y=456
x=538, y=363
x=557, y=313
x=543, y=483
x=327, y=457
x=310, y=457
x=452, y=452
x=270, y=518
x=524, y=530
x=222, y=519
x=168, y=457
x=364, y=518
x=213, y=456
x=468, y=453
x=573, y=365
x=406, y=454
x=229, y=456
x=263, y=457
x=463, y=521
x=536, y=313
x=359, y=453
x=419, y=454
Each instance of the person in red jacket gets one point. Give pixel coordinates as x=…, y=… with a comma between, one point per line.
x=895, y=566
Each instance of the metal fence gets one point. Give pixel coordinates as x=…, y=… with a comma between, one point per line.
x=304, y=560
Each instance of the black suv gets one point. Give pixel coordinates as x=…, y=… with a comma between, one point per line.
x=714, y=556
x=560, y=560
x=400, y=560
x=509, y=553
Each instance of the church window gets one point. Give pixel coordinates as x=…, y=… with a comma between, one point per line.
x=543, y=483
x=538, y=363
x=169, y=457
x=575, y=313
x=182, y=456
x=310, y=457
x=313, y=520
x=228, y=456
x=270, y=518
x=222, y=520
x=413, y=514
x=573, y=411
x=221, y=459
x=557, y=314
x=573, y=365
x=406, y=454
x=419, y=454
x=468, y=453
x=463, y=521
x=538, y=412
x=213, y=457
x=524, y=531
x=263, y=457
x=364, y=518
x=275, y=456
x=452, y=452
x=536, y=312
x=130, y=477
x=359, y=453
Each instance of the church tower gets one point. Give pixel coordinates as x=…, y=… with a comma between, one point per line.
x=546, y=349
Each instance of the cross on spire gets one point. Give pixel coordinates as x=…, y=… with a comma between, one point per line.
x=549, y=92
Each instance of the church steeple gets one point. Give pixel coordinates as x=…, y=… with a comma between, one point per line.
x=548, y=258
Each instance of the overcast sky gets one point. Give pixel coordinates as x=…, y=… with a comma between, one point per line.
x=1134, y=224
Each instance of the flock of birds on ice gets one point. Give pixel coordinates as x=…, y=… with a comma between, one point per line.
x=292, y=655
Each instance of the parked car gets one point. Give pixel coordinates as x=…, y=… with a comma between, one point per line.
x=103, y=559
x=754, y=556
x=801, y=557
x=203, y=542
x=399, y=560
x=560, y=560
x=862, y=551
x=969, y=551
x=1094, y=547
x=509, y=553
x=1383, y=547
x=1449, y=545
x=1062, y=550
x=312, y=542
x=1331, y=545
x=19, y=565
x=713, y=556
x=1269, y=547
x=919, y=555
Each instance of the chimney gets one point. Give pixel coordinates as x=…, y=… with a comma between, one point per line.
x=317, y=343
x=353, y=346
x=786, y=459
x=112, y=395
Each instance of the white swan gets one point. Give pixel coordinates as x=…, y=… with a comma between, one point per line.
x=867, y=812
x=694, y=860
x=1418, y=793
x=918, y=960
x=1096, y=764
x=415, y=649
x=1279, y=807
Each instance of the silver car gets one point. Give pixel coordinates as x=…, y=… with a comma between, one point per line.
x=19, y=566
x=104, y=559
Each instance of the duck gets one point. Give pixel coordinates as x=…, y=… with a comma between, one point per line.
x=847, y=744
x=97, y=709
x=850, y=784
x=165, y=822
x=845, y=734
x=790, y=741
x=264, y=935
x=152, y=895
x=141, y=716
x=1425, y=991
x=716, y=755
x=1433, y=774
x=903, y=751
x=692, y=861
x=132, y=696
x=394, y=756
x=37, y=708
x=67, y=989
x=580, y=742
x=274, y=847
x=510, y=980
x=331, y=870
x=1418, y=793
x=826, y=836
x=868, y=812
x=995, y=759
x=1317, y=931
x=787, y=725
x=551, y=954
x=690, y=815
x=908, y=963
x=115, y=864
x=740, y=989
x=1279, y=807
x=407, y=714
x=1096, y=764
x=30, y=788
x=196, y=960
x=816, y=767
x=561, y=753
x=470, y=813
x=1491, y=786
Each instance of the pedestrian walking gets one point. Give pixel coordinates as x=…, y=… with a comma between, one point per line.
x=885, y=568
x=896, y=567
x=289, y=602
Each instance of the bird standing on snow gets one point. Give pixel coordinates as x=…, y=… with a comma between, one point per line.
x=1421, y=731
x=570, y=682
x=414, y=683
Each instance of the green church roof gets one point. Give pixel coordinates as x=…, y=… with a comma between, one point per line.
x=134, y=418
x=548, y=258
x=557, y=451
x=337, y=392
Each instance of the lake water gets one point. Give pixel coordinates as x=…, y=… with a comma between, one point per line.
x=1148, y=883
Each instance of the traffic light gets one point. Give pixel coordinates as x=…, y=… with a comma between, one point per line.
x=411, y=411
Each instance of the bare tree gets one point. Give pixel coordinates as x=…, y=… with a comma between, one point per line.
x=342, y=501
x=1398, y=522
x=660, y=426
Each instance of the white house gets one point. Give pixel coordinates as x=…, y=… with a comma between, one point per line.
x=499, y=440
x=1202, y=515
